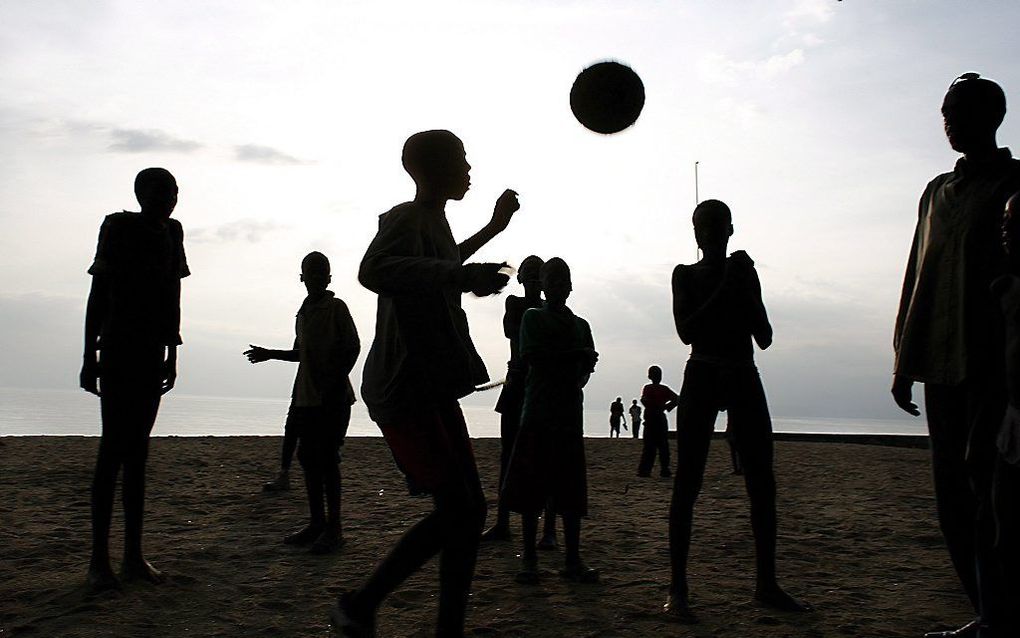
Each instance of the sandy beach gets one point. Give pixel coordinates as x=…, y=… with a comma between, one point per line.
x=857, y=539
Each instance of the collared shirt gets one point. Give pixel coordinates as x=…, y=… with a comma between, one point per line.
x=947, y=327
x=327, y=344
x=143, y=263
x=422, y=355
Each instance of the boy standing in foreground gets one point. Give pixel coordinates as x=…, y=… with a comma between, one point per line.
x=548, y=462
x=422, y=361
x=326, y=347
x=132, y=322
x=718, y=311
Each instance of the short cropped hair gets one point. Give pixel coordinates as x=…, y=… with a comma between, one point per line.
x=714, y=208
x=315, y=262
x=428, y=148
x=981, y=94
x=530, y=268
x=555, y=267
x=153, y=182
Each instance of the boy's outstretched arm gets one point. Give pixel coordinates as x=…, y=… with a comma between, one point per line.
x=258, y=354
x=506, y=206
x=95, y=313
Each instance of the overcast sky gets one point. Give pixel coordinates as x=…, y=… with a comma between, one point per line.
x=817, y=121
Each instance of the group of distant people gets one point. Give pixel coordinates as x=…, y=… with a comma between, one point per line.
x=957, y=331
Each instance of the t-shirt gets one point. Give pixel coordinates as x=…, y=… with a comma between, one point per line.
x=655, y=396
x=556, y=344
x=635, y=413
x=422, y=355
x=948, y=326
x=327, y=344
x=143, y=262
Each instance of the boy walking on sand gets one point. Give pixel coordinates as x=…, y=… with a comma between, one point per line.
x=421, y=363
x=325, y=348
x=132, y=330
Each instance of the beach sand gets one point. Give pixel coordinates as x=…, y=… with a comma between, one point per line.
x=857, y=539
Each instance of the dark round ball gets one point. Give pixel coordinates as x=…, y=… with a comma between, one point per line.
x=607, y=97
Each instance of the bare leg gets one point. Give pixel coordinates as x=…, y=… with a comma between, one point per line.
x=548, y=541
x=133, y=490
x=104, y=482
x=528, y=575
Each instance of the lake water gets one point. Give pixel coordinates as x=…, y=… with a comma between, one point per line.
x=76, y=413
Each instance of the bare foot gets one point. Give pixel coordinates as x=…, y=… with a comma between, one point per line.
x=679, y=608
x=348, y=620
x=101, y=578
x=579, y=573
x=528, y=575
x=773, y=596
x=140, y=569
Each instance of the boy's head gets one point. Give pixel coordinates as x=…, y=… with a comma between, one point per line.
x=972, y=111
x=633, y=402
x=555, y=278
x=436, y=161
x=315, y=272
x=156, y=191
x=528, y=272
x=619, y=399
x=655, y=374
x=713, y=223
x=1011, y=233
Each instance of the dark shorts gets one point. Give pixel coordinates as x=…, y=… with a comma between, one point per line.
x=320, y=429
x=432, y=449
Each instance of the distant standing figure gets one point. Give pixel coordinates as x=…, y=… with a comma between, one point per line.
x=422, y=361
x=658, y=399
x=616, y=418
x=511, y=398
x=132, y=322
x=949, y=335
x=718, y=311
x=548, y=461
x=326, y=346
x=635, y=418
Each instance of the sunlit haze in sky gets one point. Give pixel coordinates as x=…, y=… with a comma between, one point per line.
x=817, y=121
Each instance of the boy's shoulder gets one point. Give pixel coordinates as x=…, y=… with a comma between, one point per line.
x=406, y=213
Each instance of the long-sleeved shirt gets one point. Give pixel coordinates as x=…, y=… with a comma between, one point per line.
x=328, y=346
x=422, y=355
x=947, y=328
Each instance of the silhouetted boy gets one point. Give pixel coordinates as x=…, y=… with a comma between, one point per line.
x=1006, y=482
x=635, y=418
x=548, y=460
x=421, y=362
x=511, y=398
x=326, y=347
x=949, y=333
x=616, y=418
x=658, y=399
x=718, y=310
x=132, y=322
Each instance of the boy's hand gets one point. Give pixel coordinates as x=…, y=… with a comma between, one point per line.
x=88, y=379
x=506, y=206
x=257, y=354
x=169, y=377
x=483, y=279
x=902, y=392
